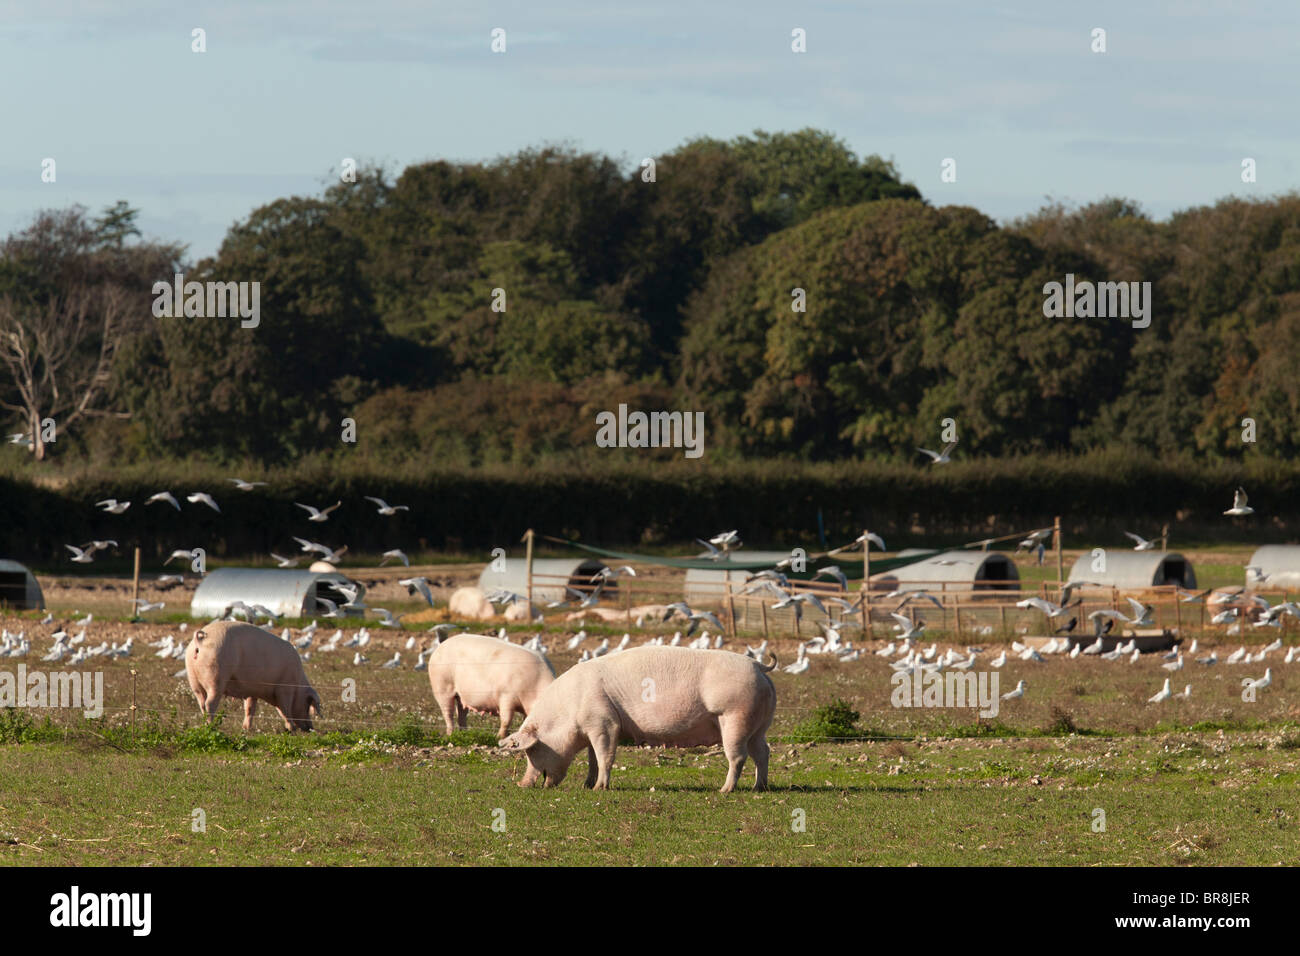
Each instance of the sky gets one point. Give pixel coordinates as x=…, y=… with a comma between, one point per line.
x=1013, y=92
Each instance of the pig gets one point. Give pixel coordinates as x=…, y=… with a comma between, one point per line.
x=486, y=675
x=674, y=696
x=232, y=659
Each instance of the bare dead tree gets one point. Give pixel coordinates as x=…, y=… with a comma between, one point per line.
x=59, y=355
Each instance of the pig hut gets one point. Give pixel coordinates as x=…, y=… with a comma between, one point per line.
x=287, y=592
x=1135, y=570
x=550, y=577
x=1277, y=566
x=18, y=588
x=976, y=573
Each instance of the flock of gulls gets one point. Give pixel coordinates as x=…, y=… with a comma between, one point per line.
x=85, y=554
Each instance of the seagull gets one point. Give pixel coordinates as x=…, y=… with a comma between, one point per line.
x=609, y=574
x=441, y=631
x=1030, y=542
x=166, y=496
x=1017, y=693
x=1161, y=695
x=1185, y=694
x=870, y=538
x=1047, y=607
x=357, y=659
x=394, y=663
x=395, y=555
x=1095, y=647
x=1177, y=665
x=1239, y=506
x=1263, y=682
x=1210, y=660
x=202, y=498
x=422, y=661
x=833, y=571
x=418, y=584
x=940, y=458
x=576, y=640
x=385, y=508
x=1192, y=597
x=285, y=562
x=145, y=607
x=909, y=630
x=801, y=663
x=387, y=618
x=113, y=506
x=243, y=485
x=183, y=553
x=169, y=580
x=1142, y=543
x=316, y=514
x=919, y=596
x=1000, y=660
x=79, y=556
x=1237, y=655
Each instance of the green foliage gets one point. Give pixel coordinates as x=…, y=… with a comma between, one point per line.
x=834, y=721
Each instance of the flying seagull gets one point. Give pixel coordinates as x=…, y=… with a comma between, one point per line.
x=385, y=508
x=1141, y=543
x=940, y=458
x=166, y=496
x=113, y=506
x=202, y=498
x=316, y=514
x=79, y=556
x=243, y=485
x=1239, y=506
x=395, y=555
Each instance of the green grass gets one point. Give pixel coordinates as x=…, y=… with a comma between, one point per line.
x=1179, y=799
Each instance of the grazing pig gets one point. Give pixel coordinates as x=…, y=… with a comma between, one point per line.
x=673, y=696
x=486, y=675
x=231, y=659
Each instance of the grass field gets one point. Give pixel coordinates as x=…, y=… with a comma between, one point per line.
x=1207, y=780
x=1202, y=799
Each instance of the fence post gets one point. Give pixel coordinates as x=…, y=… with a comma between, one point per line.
x=1060, y=560
x=133, y=673
x=528, y=557
x=135, y=585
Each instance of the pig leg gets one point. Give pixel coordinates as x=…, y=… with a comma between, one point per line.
x=447, y=704
x=591, y=767
x=734, y=746
x=462, y=713
x=604, y=743
x=212, y=705
x=250, y=708
x=507, y=708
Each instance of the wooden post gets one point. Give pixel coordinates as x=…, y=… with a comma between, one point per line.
x=528, y=557
x=1060, y=560
x=135, y=586
x=957, y=614
x=1002, y=611
x=763, y=605
x=1164, y=538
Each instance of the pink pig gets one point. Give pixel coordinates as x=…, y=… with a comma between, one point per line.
x=673, y=696
x=486, y=675
x=231, y=659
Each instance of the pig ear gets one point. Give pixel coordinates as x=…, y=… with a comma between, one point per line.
x=521, y=739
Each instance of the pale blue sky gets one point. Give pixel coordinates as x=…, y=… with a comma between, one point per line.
x=287, y=89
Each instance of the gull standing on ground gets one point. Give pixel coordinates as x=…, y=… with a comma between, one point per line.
x=1162, y=695
x=1017, y=693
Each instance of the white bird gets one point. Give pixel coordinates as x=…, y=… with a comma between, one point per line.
x=1137, y=654
x=285, y=562
x=1276, y=645
x=1210, y=660
x=1236, y=655
x=1239, y=506
x=1095, y=647
x=316, y=514
x=385, y=508
x=113, y=506
x=1162, y=695
x=357, y=659
x=421, y=585
x=202, y=498
x=243, y=485
x=1142, y=543
x=602, y=649
x=1185, y=694
x=1263, y=682
x=144, y=607
x=940, y=458
x=1177, y=665
x=394, y=663
x=166, y=496
x=395, y=555
x=79, y=556
x=887, y=650
x=1000, y=660
x=168, y=580
x=576, y=640
x=798, y=667
x=1017, y=693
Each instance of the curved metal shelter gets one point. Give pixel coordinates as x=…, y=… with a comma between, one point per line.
x=952, y=571
x=550, y=577
x=1135, y=570
x=1275, y=566
x=288, y=592
x=18, y=587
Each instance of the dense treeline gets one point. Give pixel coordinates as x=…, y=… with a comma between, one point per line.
x=380, y=302
x=471, y=511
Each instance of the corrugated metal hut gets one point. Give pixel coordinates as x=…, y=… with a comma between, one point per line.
x=1274, y=566
x=18, y=588
x=1135, y=570
x=287, y=592
x=959, y=571
x=550, y=577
